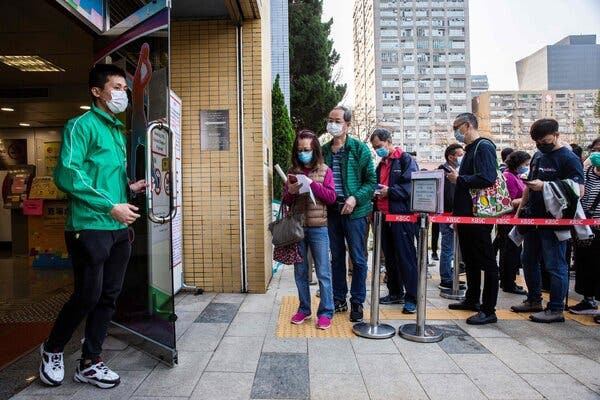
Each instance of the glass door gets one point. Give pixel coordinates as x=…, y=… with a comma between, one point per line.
x=140, y=45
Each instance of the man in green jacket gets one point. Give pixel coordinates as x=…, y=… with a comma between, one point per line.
x=91, y=170
x=355, y=181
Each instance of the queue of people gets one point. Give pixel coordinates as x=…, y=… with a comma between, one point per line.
x=348, y=187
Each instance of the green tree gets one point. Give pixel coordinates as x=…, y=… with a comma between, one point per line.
x=283, y=136
x=313, y=92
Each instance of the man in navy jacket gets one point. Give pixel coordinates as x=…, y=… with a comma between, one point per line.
x=478, y=170
x=397, y=238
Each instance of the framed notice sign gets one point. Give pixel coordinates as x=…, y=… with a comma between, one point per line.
x=214, y=130
x=427, y=191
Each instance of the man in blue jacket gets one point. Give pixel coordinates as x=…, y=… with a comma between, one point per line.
x=478, y=170
x=397, y=238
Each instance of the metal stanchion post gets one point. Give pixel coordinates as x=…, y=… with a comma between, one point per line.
x=373, y=329
x=457, y=292
x=419, y=332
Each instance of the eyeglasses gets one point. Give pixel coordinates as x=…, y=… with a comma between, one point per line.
x=456, y=127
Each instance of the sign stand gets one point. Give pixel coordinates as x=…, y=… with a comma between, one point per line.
x=426, y=197
x=419, y=332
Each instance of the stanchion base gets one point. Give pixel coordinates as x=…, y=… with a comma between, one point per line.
x=431, y=334
x=453, y=295
x=381, y=331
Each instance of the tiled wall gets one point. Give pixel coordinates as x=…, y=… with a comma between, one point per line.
x=204, y=75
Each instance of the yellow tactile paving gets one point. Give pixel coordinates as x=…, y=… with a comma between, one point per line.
x=582, y=319
x=341, y=327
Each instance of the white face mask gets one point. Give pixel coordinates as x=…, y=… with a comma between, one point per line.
x=334, y=129
x=119, y=101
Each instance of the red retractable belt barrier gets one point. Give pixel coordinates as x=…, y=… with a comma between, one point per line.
x=506, y=220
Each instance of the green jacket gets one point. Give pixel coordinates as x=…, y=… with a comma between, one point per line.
x=92, y=170
x=358, y=174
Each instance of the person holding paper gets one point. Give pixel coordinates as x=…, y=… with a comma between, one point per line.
x=309, y=190
x=397, y=238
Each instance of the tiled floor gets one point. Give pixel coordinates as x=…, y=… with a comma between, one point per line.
x=229, y=349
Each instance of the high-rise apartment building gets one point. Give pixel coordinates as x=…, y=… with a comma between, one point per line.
x=479, y=84
x=280, y=47
x=572, y=63
x=507, y=116
x=411, y=70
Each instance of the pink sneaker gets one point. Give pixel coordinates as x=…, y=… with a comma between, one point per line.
x=323, y=322
x=299, y=318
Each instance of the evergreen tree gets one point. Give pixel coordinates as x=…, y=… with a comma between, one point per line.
x=313, y=92
x=283, y=136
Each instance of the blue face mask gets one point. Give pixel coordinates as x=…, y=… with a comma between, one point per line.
x=382, y=152
x=459, y=136
x=305, y=157
x=459, y=160
x=523, y=170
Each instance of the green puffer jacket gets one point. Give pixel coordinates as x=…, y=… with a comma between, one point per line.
x=358, y=174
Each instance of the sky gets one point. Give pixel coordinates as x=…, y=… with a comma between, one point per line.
x=501, y=32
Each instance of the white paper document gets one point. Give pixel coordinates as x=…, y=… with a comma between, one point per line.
x=305, y=188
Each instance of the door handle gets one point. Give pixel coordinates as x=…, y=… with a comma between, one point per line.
x=172, y=171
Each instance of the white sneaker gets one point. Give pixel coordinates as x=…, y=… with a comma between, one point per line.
x=98, y=375
x=52, y=368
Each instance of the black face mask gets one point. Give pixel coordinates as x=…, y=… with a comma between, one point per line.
x=545, y=147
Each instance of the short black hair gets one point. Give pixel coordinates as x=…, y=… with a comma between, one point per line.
x=594, y=143
x=468, y=117
x=543, y=127
x=382, y=134
x=515, y=159
x=575, y=148
x=413, y=153
x=505, y=153
x=347, y=112
x=100, y=74
x=451, y=149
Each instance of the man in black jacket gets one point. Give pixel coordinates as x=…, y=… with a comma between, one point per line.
x=453, y=155
x=478, y=170
x=397, y=238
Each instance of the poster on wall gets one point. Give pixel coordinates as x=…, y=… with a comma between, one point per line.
x=12, y=152
x=214, y=130
x=51, y=152
x=177, y=223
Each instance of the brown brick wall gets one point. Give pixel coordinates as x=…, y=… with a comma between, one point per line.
x=204, y=75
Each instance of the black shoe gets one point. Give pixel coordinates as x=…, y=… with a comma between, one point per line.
x=464, y=305
x=482, y=318
x=448, y=285
x=516, y=289
x=434, y=256
x=340, y=306
x=391, y=299
x=356, y=312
